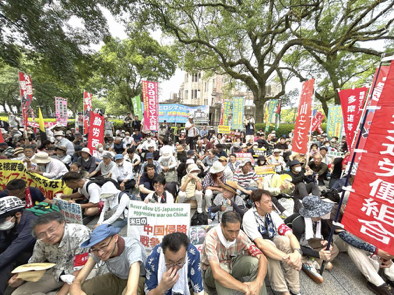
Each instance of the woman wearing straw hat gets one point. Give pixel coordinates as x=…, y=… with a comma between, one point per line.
x=48, y=167
x=211, y=183
x=87, y=161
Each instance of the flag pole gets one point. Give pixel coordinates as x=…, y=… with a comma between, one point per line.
x=349, y=172
x=310, y=132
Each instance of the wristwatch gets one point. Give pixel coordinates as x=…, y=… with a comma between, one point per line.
x=298, y=250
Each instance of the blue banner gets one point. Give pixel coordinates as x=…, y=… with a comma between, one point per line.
x=178, y=113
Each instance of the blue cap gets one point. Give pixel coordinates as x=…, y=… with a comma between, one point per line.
x=149, y=156
x=99, y=234
x=118, y=157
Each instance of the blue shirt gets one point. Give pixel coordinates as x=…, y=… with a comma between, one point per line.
x=203, y=132
x=193, y=271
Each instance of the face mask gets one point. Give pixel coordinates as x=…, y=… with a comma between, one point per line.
x=127, y=137
x=120, y=164
x=59, y=138
x=327, y=145
x=101, y=150
x=298, y=169
x=7, y=225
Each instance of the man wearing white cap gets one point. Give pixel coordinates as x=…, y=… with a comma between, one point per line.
x=86, y=160
x=48, y=167
x=62, y=141
x=192, y=132
x=191, y=187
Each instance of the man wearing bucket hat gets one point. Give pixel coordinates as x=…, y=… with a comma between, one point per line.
x=228, y=200
x=16, y=241
x=125, y=258
x=244, y=177
x=124, y=173
x=191, y=187
x=87, y=161
x=18, y=154
x=62, y=141
x=57, y=242
x=61, y=155
x=211, y=183
x=312, y=229
x=47, y=166
x=276, y=240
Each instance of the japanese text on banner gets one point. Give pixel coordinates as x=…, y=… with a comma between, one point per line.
x=301, y=130
x=61, y=111
x=149, y=223
x=87, y=108
x=369, y=213
x=72, y=212
x=10, y=170
x=238, y=112
x=150, y=94
x=96, y=131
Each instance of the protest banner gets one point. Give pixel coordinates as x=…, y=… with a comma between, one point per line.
x=270, y=113
x=238, y=113
x=372, y=100
x=352, y=103
x=72, y=212
x=226, y=112
x=136, y=101
x=259, y=152
x=197, y=235
x=303, y=122
x=370, y=208
x=316, y=122
x=335, y=154
x=263, y=171
x=224, y=129
x=241, y=156
x=177, y=113
x=96, y=131
x=149, y=223
x=334, y=121
x=150, y=94
x=87, y=109
x=10, y=170
x=26, y=91
x=61, y=111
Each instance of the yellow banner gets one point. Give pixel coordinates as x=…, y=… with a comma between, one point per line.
x=223, y=129
x=10, y=170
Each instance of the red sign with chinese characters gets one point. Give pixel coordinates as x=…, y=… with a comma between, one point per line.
x=26, y=89
x=87, y=108
x=370, y=210
x=303, y=123
x=150, y=94
x=352, y=103
x=96, y=131
x=316, y=122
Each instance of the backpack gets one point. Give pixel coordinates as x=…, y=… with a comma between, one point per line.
x=43, y=208
x=199, y=219
x=101, y=180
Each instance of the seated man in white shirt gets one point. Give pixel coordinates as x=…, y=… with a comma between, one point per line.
x=124, y=173
x=147, y=142
x=277, y=241
x=48, y=167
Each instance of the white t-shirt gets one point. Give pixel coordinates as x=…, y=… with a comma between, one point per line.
x=250, y=226
x=169, y=197
x=192, y=131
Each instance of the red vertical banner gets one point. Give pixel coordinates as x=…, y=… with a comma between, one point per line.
x=26, y=91
x=303, y=122
x=316, y=122
x=369, y=212
x=96, y=131
x=150, y=94
x=352, y=103
x=87, y=108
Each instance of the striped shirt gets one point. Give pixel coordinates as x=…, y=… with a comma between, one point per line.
x=245, y=179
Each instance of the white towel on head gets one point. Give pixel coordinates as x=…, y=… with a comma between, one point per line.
x=227, y=244
x=309, y=234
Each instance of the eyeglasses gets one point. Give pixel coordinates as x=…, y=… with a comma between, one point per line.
x=179, y=264
x=103, y=248
x=46, y=234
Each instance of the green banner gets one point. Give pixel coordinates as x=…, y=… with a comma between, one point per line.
x=238, y=112
x=334, y=121
x=137, y=106
x=271, y=109
x=227, y=111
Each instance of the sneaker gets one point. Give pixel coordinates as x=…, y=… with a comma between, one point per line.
x=311, y=271
x=383, y=289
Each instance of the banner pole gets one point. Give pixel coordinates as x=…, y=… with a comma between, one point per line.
x=348, y=175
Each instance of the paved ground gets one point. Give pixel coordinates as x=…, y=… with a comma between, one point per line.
x=344, y=279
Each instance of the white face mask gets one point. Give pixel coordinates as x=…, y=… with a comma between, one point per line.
x=59, y=138
x=7, y=225
x=327, y=145
x=297, y=169
x=127, y=137
x=120, y=164
x=101, y=150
